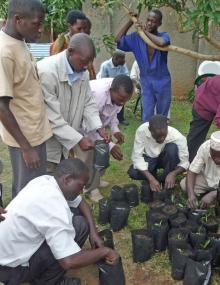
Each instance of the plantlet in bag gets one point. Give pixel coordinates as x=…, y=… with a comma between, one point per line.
x=205, y=244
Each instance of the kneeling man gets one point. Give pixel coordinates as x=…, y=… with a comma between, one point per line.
x=40, y=238
x=158, y=145
x=204, y=173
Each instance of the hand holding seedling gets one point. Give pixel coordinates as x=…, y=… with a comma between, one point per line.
x=170, y=181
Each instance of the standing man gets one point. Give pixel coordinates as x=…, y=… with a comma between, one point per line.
x=77, y=23
x=110, y=95
x=68, y=99
x=24, y=123
x=158, y=145
x=40, y=238
x=206, y=108
x=154, y=74
x=110, y=69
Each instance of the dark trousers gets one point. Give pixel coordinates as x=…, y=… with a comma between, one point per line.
x=120, y=115
x=167, y=160
x=199, y=128
x=43, y=268
x=21, y=175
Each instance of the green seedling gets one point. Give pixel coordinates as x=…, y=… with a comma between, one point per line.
x=205, y=244
x=159, y=224
x=200, y=230
x=179, y=237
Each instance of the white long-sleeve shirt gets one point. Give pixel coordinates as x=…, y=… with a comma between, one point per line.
x=144, y=143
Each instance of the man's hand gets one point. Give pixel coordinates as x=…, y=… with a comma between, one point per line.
x=31, y=158
x=154, y=185
x=170, y=181
x=106, y=136
x=208, y=199
x=116, y=152
x=95, y=240
x=112, y=257
x=2, y=211
x=191, y=202
x=119, y=137
x=86, y=143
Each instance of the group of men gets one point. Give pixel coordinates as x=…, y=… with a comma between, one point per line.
x=50, y=110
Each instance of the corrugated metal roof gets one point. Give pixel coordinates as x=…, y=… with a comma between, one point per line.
x=39, y=50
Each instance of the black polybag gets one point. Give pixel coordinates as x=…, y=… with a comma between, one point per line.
x=118, y=193
x=111, y=274
x=159, y=232
x=131, y=195
x=197, y=273
x=146, y=193
x=101, y=156
x=107, y=237
x=119, y=215
x=104, y=211
x=142, y=245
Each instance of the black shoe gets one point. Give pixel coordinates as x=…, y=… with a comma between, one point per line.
x=124, y=122
x=70, y=281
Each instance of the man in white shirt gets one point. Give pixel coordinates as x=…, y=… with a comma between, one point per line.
x=203, y=175
x=40, y=238
x=158, y=145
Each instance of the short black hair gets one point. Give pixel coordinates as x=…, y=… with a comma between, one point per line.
x=75, y=15
x=123, y=81
x=158, y=13
x=72, y=166
x=158, y=122
x=24, y=7
x=83, y=44
x=89, y=23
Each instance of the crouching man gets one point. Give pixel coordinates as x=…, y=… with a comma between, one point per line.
x=40, y=238
x=204, y=173
x=156, y=146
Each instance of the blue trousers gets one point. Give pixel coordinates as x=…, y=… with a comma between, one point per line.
x=155, y=93
x=167, y=160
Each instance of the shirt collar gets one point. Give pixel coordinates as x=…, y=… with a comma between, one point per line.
x=72, y=75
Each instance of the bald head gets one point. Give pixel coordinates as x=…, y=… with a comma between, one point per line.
x=81, y=52
x=25, y=8
x=83, y=44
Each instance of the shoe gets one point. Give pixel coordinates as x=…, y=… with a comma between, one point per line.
x=70, y=281
x=124, y=122
x=95, y=195
x=103, y=184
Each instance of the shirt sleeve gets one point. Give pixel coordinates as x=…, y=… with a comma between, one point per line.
x=75, y=203
x=166, y=38
x=126, y=71
x=217, y=117
x=91, y=116
x=6, y=77
x=114, y=124
x=127, y=42
x=183, y=152
x=198, y=162
x=138, y=151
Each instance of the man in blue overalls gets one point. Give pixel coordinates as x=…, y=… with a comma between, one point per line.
x=154, y=74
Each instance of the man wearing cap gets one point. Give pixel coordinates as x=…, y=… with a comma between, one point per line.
x=206, y=108
x=204, y=173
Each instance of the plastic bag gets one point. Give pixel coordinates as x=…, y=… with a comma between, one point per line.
x=119, y=215
x=142, y=245
x=159, y=232
x=117, y=193
x=146, y=193
x=111, y=274
x=104, y=211
x=107, y=237
x=101, y=157
x=131, y=194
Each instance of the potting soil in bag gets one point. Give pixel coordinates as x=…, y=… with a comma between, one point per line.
x=215, y=238
x=178, y=262
x=146, y=193
x=159, y=232
x=101, y=156
x=107, y=237
x=104, y=211
x=155, y=217
x=197, y=273
x=117, y=193
x=119, y=215
x=162, y=195
x=195, y=215
x=142, y=245
x=111, y=274
x=170, y=211
x=210, y=223
x=179, y=221
x=197, y=237
x=131, y=195
x=177, y=238
x=156, y=205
